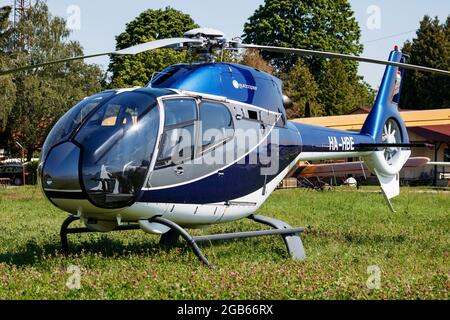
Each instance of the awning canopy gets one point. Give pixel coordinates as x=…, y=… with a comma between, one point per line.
x=354, y=122
x=440, y=133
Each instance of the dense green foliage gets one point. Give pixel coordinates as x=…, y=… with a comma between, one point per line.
x=43, y=95
x=430, y=48
x=148, y=26
x=341, y=93
x=7, y=88
x=347, y=233
x=301, y=87
x=319, y=25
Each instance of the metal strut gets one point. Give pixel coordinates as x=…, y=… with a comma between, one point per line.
x=290, y=235
x=294, y=244
x=65, y=231
x=186, y=236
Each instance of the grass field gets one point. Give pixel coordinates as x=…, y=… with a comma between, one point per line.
x=347, y=233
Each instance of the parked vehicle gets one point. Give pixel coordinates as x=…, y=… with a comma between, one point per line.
x=14, y=172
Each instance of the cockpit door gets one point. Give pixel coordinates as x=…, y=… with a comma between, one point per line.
x=176, y=148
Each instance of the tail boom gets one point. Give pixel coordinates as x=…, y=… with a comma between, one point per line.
x=383, y=142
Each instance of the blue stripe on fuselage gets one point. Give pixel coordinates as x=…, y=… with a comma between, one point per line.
x=318, y=139
x=242, y=179
x=237, y=181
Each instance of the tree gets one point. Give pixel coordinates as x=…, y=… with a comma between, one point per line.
x=302, y=89
x=7, y=95
x=45, y=94
x=430, y=48
x=4, y=25
x=148, y=26
x=337, y=90
x=7, y=88
x=253, y=58
x=313, y=24
x=364, y=94
x=318, y=25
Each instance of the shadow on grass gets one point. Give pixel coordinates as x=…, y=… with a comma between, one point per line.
x=34, y=253
x=358, y=238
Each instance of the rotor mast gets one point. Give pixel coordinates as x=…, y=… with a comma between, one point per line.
x=213, y=41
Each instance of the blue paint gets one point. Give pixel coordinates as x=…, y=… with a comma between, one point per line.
x=251, y=86
x=316, y=139
x=240, y=180
x=385, y=107
x=236, y=82
x=237, y=181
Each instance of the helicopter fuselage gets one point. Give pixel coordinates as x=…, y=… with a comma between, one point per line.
x=201, y=144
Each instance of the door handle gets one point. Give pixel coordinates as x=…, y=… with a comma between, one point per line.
x=179, y=171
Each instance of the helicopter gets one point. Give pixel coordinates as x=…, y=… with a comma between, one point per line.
x=204, y=143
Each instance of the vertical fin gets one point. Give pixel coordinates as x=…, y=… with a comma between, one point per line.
x=383, y=113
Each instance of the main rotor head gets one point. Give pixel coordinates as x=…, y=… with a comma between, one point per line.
x=211, y=41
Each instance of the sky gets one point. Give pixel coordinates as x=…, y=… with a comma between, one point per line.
x=96, y=23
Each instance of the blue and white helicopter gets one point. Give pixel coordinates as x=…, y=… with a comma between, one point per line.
x=204, y=143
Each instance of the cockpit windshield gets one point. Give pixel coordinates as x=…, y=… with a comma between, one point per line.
x=118, y=143
x=71, y=120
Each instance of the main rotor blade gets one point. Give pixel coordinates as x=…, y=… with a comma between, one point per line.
x=157, y=44
x=35, y=66
x=152, y=45
x=332, y=55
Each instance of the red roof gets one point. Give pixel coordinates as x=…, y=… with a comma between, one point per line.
x=366, y=110
x=439, y=133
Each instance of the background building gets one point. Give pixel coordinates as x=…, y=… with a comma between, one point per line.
x=429, y=126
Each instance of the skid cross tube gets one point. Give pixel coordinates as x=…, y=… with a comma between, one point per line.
x=245, y=235
x=65, y=231
x=290, y=236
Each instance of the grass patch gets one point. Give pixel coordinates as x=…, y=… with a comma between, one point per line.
x=346, y=233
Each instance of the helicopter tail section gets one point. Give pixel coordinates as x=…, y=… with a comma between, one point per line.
x=385, y=125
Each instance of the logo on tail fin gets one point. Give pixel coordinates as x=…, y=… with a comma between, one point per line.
x=397, y=87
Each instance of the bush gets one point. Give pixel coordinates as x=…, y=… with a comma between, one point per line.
x=32, y=169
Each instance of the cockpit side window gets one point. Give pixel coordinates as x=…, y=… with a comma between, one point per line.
x=216, y=124
x=177, y=143
x=180, y=111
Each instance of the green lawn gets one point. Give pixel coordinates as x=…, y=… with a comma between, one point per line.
x=347, y=233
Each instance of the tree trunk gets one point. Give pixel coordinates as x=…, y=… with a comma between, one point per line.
x=30, y=152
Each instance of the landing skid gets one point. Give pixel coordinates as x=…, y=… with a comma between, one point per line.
x=291, y=236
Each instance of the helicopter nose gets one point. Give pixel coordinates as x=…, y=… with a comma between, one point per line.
x=60, y=176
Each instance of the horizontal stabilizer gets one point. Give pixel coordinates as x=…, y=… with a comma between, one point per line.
x=344, y=169
x=373, y=146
